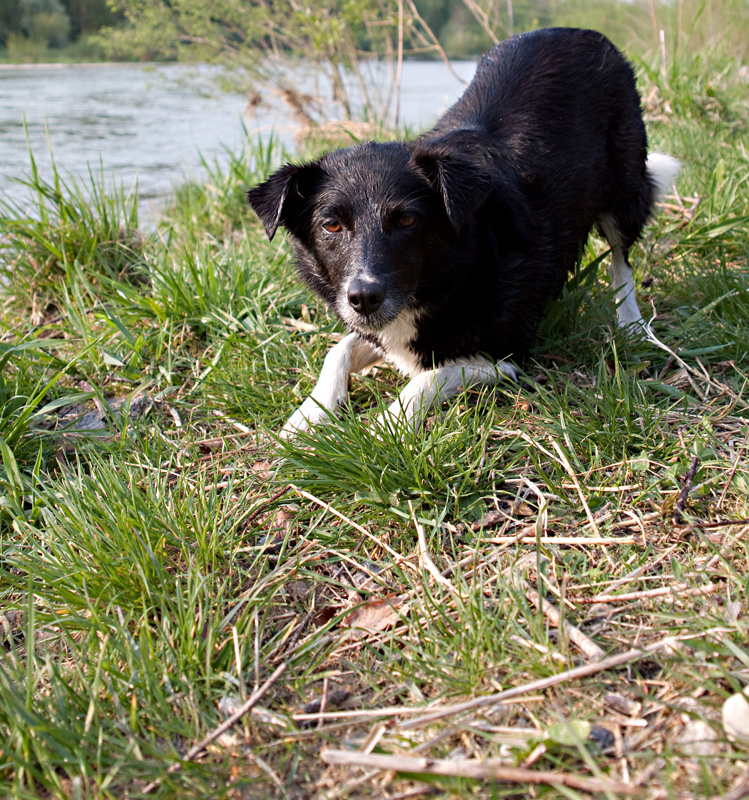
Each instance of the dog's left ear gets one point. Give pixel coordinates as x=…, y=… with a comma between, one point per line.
x=459, y=170
x=283, y=198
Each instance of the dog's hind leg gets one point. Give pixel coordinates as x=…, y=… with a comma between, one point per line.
x=351, y=354
x=620, y=273
x=435, y=385
x=623, y=283
x=624, y=224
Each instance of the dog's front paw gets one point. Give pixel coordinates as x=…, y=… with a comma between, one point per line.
x=294, y=425
x=309, y=414
x=397, y=419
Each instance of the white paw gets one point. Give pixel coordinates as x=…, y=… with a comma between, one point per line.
x=632, y=323
x=309, y=414
x=396, y=418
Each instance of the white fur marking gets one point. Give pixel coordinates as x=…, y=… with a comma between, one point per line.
x=663, y=170
x=610, y=231
x=620, y=272
x=351, y=354
x=435, y=385
x=395, y=339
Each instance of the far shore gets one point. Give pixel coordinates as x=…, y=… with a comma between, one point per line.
x=61, y=64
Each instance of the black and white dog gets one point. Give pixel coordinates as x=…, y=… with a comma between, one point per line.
x=441, y=254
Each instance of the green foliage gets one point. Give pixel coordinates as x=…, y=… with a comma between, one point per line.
x=87, y=16
x=249, y=38
x=30, y=27
x=42, y=23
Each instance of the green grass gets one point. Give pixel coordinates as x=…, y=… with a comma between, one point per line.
x=158, y=569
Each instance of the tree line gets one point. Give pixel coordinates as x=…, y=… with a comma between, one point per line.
x=461, y=26
x=162, y=30
x=54, y=23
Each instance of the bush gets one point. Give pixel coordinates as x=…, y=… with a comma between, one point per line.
x=51, y=28
x=23, y=50
x=45, y=21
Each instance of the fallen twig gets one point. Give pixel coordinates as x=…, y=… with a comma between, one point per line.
x=567, y=540
x=222, y=728
x=473, y=768
x=722, y=524
x=685, y=489
x=678, y=590
x=584, y=643
x=259, y=510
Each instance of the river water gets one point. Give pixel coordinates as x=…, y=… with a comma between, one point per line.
x=153, y=123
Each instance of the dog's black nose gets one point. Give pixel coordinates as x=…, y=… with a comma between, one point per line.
x=365, y=297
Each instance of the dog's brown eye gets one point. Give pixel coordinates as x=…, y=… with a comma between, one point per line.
x=406, y=220
x=332, y=226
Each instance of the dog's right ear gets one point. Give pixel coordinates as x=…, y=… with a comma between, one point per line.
x=457, y=167
x=285, y=196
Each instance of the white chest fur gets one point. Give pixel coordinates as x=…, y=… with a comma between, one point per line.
x=394, y=341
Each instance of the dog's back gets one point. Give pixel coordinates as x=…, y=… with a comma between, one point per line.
x=563, y=109
x=559, y=113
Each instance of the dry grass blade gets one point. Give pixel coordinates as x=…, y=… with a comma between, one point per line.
x=426, y=560
x=586, y=645
x=676, y=591
x=739, y=791
x=579, y=541
x=564, y=461
x=355, y=525
x=636, y=573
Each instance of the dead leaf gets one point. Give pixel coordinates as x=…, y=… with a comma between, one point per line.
x=282, y=521
x=376, y=615
x=262, y=468
x=679, y=379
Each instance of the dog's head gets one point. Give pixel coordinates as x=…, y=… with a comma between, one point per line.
x=375, y=223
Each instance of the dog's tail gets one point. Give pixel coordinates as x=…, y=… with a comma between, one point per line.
x=662, y=171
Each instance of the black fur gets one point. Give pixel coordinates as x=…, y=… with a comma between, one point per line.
x=475, y=225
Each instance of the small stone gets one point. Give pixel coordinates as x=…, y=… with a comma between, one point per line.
x=229, y=705
x=622, y=704
x=698, y=739
x=736, y=717
x=298, y=590
x=334, y=700
x=603, y=737
x=272, y=543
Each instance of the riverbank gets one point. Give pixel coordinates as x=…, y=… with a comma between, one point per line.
x=167, y=122
x=167, y=561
